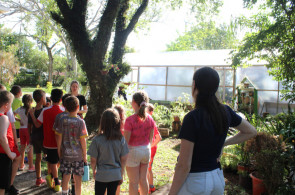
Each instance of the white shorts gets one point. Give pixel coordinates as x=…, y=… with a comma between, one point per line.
x=204, y=183
x=138, y=155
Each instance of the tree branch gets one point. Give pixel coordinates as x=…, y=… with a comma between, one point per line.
x=95, y=19
x=63, y=7
x=136, y=16
x=102, y=38
x=54, y=45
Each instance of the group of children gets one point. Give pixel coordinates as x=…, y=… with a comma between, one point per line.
x=59, y=132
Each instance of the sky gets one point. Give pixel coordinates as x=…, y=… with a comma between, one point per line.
x=168, y=28
x=173, y=23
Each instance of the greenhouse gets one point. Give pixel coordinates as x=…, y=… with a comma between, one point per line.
x=167, y=75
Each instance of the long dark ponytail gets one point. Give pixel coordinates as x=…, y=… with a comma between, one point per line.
x=206, y=82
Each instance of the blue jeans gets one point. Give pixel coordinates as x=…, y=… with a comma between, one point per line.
x=204, y=183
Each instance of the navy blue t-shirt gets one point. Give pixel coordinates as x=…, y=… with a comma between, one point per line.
x=199, y=129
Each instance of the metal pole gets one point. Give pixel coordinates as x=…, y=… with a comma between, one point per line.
x=223, y=95
x=166, y=83
x=278, y=98
x=138, y=77
x=234, y=83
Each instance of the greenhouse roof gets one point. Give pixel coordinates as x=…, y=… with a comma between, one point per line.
x=3, y=9
x=184, y=58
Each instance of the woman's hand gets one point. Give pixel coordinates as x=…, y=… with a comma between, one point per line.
x=12, y=155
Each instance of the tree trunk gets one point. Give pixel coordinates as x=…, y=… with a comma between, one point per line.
x=50, y=64
x=102, y=88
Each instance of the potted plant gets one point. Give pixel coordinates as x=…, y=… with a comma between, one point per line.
x=176, y=124
x=244, y=167
x=265, y=155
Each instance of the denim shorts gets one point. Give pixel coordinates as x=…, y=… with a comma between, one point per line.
x=138, y=155
x=204, y=183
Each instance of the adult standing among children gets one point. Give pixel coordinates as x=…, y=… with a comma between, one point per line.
x=139, y=132
x=74, y=90
x=202, y=135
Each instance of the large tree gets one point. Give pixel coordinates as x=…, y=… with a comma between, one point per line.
x=272, y=38
x=91, y=50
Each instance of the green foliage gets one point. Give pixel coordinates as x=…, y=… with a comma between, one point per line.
x=266, y=156
x=8, y=67
x=181, y=106
x=244, y=158
x=234, y=190
x=48, y=87
x=272, y=40
x=206, y=35
x=162, y=115
x=230, y=159
x=126, y=104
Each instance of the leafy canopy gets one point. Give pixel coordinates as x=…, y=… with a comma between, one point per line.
x=205, y=35
x=271, y=39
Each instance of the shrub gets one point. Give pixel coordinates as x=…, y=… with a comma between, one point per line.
x=266, y=157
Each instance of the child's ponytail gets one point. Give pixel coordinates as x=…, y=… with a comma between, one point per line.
x=141, y=98
x=27, y=101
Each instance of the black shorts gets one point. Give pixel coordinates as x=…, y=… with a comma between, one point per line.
x=17, y=133
x=100, y=187
x=5, y=171
x=38, y=146
x=52, y=156
x=75, y=167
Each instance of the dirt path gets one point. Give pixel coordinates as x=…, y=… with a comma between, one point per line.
x=25, y=182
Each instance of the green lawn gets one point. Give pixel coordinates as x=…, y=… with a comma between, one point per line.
x=163, y=167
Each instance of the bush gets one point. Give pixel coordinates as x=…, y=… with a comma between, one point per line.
x=266, y=157
x=24, y=79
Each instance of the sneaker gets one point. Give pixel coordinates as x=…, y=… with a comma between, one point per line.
x=57, y=188
x=40, y=181
x=32, y=169
x=49, y=181
x=21, y=168
x=13, y=190
x=152, y=188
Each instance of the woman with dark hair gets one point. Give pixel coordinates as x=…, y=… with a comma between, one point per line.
x=203, y=135
x=74, y=89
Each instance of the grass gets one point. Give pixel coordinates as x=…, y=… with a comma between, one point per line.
x=163, y=167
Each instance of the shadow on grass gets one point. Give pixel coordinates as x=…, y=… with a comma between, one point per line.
x=25, y=182
x=176, y=148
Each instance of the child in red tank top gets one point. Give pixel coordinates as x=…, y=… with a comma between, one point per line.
x=9, y=155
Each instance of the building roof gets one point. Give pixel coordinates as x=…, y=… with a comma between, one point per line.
x=3, y=9
x=184, y=58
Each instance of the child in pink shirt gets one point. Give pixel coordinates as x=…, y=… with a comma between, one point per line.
x=139, y=132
